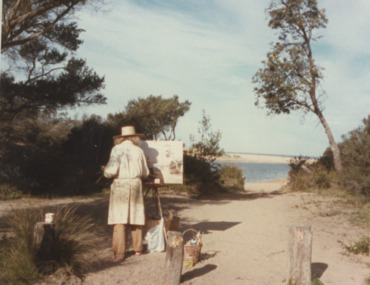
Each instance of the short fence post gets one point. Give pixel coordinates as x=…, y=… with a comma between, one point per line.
x=43, y=240
x=299, y=251
x=174, y=259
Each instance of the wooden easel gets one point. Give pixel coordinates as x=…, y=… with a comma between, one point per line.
x=153, y=187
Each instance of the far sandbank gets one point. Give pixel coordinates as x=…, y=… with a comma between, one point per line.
x=259, y=158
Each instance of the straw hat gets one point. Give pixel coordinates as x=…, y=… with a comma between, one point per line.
x=129, y=131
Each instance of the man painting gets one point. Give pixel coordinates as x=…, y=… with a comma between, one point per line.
x=127, y=164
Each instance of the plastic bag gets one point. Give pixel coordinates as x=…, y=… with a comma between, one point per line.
x=155, y=238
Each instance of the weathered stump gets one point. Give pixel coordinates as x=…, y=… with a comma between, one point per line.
x=299, y=251
x=43, y=240
x=174, y=259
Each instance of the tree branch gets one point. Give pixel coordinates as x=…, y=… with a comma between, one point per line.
x=8, y=42
x=43, y=74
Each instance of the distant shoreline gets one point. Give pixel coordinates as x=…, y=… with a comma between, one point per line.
x=258, y=158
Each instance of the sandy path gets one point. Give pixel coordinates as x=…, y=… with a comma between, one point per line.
x=245, y=240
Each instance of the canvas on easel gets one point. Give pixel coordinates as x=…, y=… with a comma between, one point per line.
x=165, y=160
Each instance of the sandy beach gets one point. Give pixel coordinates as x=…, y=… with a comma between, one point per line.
x=245, y=239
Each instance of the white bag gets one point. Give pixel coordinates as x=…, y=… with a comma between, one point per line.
x=155, y=238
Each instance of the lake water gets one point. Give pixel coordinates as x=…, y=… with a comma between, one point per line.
x=260, y=172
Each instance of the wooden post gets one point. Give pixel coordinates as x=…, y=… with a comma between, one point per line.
x=174, y=259
x=299, y=250
x=43, y=240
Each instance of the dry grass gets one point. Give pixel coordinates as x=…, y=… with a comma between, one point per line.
x=76, y=240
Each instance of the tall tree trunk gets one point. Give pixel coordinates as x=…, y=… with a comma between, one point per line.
x=333, y=145
x=317, y=110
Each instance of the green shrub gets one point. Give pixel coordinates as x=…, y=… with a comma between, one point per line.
x=201, y=175
x=321, y=179
x=9, y=192
x=231, y=178
x=356, y=160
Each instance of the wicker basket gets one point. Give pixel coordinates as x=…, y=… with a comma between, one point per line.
x=192, y=252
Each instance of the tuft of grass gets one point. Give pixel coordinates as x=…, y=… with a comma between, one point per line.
x=17, y=265
x=76, y=240
x=17, y=258
x=75, y=245
x=362, y=246
x=316, y=281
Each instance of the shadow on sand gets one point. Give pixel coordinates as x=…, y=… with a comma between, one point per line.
x=318, y=269
x=198, y=272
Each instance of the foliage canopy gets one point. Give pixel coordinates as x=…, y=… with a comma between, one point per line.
x=154, y=116
x=39, y=39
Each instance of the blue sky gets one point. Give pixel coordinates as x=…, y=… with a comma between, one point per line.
x=208, y=51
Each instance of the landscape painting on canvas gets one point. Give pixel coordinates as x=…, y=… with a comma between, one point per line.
x=165, y=160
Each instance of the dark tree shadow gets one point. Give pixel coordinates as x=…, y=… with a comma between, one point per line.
x=198, y=272
x=206, y=227
x=318, y=269
x=246, y=195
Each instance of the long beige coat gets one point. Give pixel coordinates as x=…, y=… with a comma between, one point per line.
x=128, y=164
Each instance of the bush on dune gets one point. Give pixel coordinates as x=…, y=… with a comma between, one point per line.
x=304, y=176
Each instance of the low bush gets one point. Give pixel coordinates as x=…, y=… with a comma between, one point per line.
x=231, y=178
x=9, y=192
x=304, y=176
